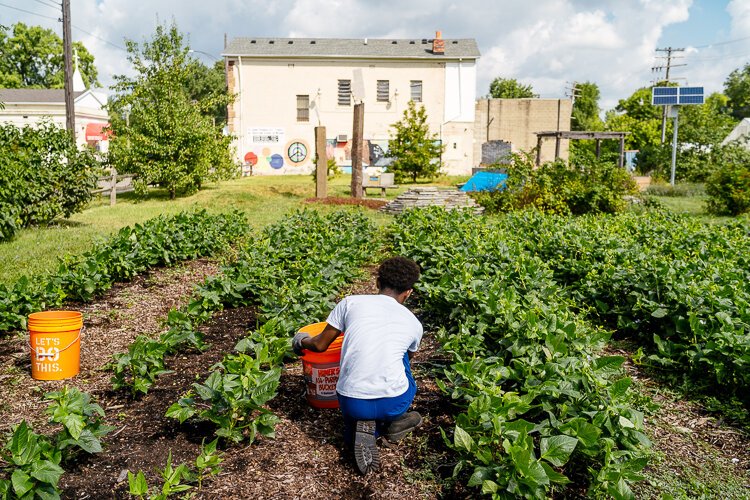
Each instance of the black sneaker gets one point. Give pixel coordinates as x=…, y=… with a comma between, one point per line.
x=366, y=452
x=403, y=426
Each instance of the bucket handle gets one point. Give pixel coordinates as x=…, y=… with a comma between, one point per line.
x=53, y=353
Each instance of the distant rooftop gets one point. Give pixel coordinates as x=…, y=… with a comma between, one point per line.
x=367, y=48
x=34, y=95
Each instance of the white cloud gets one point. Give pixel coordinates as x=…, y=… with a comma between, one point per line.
x=543, y=42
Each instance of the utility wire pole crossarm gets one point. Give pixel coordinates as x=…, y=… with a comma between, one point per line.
x=666, y=67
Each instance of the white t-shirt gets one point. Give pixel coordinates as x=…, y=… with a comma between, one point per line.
x=377, y=333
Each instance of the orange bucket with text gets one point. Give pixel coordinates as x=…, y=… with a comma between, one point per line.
x=321, y=370
x=55, y=341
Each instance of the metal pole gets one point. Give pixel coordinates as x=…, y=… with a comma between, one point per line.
x=70, y=115
x=674, y=143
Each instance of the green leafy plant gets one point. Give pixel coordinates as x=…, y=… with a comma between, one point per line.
x=43, y=176
x=81, y=420
x=538, y=404
x=174, y=480
x=31, y=463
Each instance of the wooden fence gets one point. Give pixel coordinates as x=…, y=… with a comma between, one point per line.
x=114, y=184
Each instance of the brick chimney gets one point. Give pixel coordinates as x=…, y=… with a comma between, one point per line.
x=438, y=44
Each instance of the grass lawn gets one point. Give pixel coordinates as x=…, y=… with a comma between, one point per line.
x=264, y=199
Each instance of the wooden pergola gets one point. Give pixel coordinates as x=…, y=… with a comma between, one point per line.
x=559, y=135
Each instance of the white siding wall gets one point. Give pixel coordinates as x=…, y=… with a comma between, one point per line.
x=267, y=100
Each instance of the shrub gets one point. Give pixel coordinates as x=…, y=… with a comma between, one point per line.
x=43, y=176
x=594, y=186
x=728, y=188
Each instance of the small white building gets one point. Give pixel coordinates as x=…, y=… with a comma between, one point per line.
x=30, y=106
x=285, y=87
x=740, y=133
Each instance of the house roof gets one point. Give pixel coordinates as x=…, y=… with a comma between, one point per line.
x=11, y=96
x=367, y=48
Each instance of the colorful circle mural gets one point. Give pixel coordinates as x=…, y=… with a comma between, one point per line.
x=276, y=161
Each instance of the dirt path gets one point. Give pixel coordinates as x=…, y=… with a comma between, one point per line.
x=696, y=454
x=111, y=324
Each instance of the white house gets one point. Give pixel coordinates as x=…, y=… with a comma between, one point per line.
x=285, y=87
x=30, y=106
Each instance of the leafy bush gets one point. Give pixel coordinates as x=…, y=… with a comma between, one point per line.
x=677, y=285
x=43, y=176
x=538, y=404
x=728, y=187
x=157, y=242
x=555, y=187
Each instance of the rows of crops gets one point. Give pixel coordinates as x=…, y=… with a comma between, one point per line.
x=539, y=406
x=679, y=286
x=161, y=241
x=291, y=272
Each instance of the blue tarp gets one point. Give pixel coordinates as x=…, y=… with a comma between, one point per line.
x=485, y=181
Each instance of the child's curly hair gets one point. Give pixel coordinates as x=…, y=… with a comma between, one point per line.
x=398, y=273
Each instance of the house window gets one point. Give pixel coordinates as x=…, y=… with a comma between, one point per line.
x=345, y=92
x=383, y=91
x=416, y=90
x=303, y=108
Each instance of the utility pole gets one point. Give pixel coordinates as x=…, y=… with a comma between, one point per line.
x=70, y=114
x=669, y=51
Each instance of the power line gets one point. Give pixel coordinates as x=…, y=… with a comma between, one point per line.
x=49, y=3
x=100, y=38
x=722, y=43
x=29, y=12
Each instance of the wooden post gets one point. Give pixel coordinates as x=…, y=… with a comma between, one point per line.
x=357, y=143
x=321, y=163
x=70, y=114
x=622, y=151
x=538, y=150
x=598, y=148
x=557, y=146
x=113, y=187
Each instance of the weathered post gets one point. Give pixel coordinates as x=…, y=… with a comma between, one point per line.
x=357, y=143
x=321, y=163
x=113, y=188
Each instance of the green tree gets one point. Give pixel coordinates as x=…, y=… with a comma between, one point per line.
x=737, y=89
x=32, y=56
x=171, y=140
x=585, y=114
x=510, y=88
x=415, y=151
x=638, y=116
x=208, y=82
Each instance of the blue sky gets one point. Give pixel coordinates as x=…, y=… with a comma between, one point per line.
x=547, y=43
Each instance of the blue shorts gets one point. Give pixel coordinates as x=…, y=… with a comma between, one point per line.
x=382, y=410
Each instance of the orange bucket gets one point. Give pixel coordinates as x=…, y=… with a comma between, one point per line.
x=55, y=341
x=321, y=370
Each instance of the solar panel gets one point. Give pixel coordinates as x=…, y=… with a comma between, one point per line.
x=671, y=96
x=660, y=91
x=664, y=100
x=691, y=99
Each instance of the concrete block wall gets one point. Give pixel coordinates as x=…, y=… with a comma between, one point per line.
x=516, y=120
